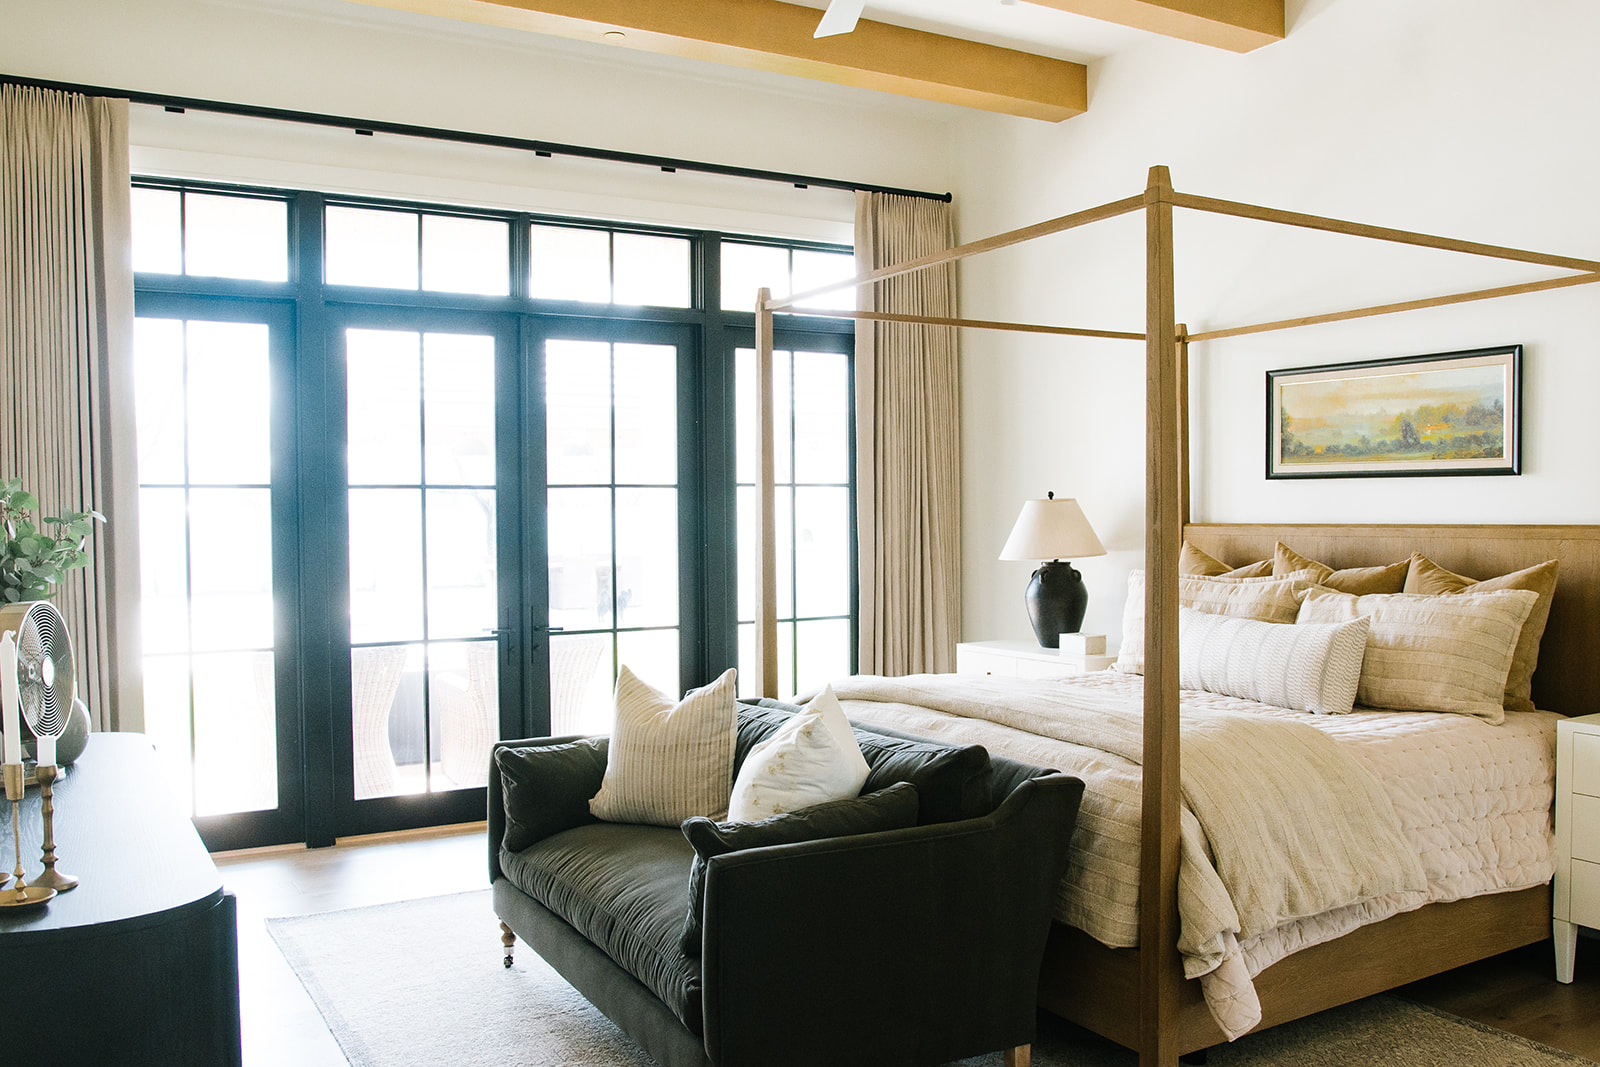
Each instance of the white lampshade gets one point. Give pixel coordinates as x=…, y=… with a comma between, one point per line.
x=1051, y=529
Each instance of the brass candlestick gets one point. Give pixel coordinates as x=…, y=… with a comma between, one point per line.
x=50, y=878
x=23, y=895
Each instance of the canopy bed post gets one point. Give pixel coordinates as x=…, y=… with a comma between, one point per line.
x=766, y=637
x=1184, y=439
x=1160, y=971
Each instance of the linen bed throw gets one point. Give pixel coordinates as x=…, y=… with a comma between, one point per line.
x=1278, y=822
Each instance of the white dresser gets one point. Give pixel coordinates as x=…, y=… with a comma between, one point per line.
x=1577, y=887
x=1023, y=659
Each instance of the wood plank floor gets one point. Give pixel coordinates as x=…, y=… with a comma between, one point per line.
x=1515, y=992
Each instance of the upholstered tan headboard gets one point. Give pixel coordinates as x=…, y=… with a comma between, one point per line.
x=1568, y=678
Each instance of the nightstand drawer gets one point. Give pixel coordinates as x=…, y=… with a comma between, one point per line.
x=1585, y=829
x=1585, y=909
x=1038, y=668
x=1586, y=764
x=970, y=661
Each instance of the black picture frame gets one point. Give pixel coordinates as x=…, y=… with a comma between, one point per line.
x=1446, y=413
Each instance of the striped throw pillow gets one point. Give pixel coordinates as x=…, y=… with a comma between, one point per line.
x=668, y=761
x=1310, y=667
x=1432, y=653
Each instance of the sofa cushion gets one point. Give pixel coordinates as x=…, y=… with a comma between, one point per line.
x=893, y=808
x=546, y=789
x=622, y=886
x=952, y=782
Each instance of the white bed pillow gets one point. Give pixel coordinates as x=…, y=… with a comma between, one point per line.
x=1432, y=653
x=1311, y=667
x=1265, y=599
x=808, y=760
x=668, y=760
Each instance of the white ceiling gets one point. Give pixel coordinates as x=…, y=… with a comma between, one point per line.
x=1022, y=26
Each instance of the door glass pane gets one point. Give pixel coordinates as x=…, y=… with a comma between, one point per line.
x=423, y=560
x=458, y=389
x=230, y=436
x=374, y=248
x=384, y=406
x=159, y=399
x=464, y=688
x=385, y=565
x=236, y=237
x=577, y=382
x=650, y=270
x=466, y=255
x=822, y=417
x=647, y=557
x=646, y=414
x=652, y=655
x=580, y=684
x=461, y=562
x=567, y=263
x=158, y=231
x=203, y=427
x=578, y=526
x=823, y=653
x=822, y=551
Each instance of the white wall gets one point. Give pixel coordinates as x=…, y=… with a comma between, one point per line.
x=340, y=58
x=1469, y=118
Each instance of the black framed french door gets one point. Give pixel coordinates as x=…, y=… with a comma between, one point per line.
x=219, y=528
x=423, y=528
x=616, y=506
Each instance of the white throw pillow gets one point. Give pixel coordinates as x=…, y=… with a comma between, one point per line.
x=1432, y=653
x=668, y=761
x=1266, y=599
x=810, y=759
x=1311, y=667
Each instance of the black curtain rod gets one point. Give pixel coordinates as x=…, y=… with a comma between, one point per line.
x=433, y=133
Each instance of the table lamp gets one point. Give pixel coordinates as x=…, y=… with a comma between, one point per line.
x=1052, y=530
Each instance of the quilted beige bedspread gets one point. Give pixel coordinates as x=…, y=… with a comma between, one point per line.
x=1289, y=837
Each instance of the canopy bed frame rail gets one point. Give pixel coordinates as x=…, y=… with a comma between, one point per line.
x=1156, y=986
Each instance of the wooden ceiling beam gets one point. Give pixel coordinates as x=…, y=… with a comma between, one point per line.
x=773, y=36
x=1235, y=25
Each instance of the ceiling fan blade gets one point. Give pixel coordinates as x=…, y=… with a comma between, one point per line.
x=840, y=17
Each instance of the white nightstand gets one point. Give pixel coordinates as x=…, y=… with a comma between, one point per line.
x=1577, y=888
x=1023, y=659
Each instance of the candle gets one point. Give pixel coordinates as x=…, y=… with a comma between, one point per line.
x=45, y=751
x=8, y=699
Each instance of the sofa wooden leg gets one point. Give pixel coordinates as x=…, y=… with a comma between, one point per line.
x=509, y=940
x=1021, y=1056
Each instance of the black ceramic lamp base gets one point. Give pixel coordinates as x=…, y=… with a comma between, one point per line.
x=1056, y=601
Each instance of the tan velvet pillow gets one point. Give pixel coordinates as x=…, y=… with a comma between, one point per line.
x=1263, y=599
x=1432, y=653
x=1426, y=576
x=1201, y=564
x=1357, y=580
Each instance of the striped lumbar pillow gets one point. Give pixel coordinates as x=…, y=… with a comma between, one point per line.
x=1309, y=667
x=1432, y=653
x=668, y=761
x=1266, y=599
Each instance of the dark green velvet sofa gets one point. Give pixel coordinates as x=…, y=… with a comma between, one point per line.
x=912, y=946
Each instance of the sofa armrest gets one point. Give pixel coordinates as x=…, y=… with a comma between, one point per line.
x=910, y=946
x=495, y=802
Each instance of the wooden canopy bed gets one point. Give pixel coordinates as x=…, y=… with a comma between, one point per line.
x=1138, y=996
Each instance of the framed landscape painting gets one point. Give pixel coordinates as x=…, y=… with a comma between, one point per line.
x=1448, y=413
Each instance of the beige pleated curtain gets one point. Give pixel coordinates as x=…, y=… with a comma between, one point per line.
x=66, y=392
x=908, y=443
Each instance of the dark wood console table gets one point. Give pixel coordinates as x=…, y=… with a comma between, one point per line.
x=140, y=963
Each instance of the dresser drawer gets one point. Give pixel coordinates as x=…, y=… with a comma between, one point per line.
x=1586, y=764
x=1585, y=909
x=1584, y=833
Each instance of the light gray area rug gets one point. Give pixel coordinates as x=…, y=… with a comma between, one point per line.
x=420, y=983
